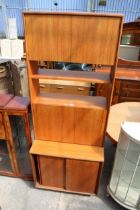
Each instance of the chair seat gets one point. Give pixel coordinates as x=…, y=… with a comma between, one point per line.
x=18, y=103
x=4, y=99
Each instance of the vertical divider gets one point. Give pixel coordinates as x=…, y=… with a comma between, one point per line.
x=34, y=84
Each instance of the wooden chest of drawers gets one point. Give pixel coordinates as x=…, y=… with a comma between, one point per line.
x=60, y=86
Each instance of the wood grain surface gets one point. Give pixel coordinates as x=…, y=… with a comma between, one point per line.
x=79, y=38
x=65, y=150
x=81, y=176
x=52, y=171
x=69, y=124
x=71, y=100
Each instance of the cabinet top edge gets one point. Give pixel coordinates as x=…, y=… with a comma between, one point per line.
x=74, y=13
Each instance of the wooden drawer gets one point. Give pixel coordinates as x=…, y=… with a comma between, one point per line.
x=51, y=171
x=45, y=88
x=124, y=99
x=102, y=90
x=55, y=88
x=81, y=176
x=130, y=84
x=2, y=130
x=129, y=92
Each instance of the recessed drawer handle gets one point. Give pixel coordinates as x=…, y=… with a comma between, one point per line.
x=41, y=85
x=59, y=87
x=127, y=93
x=80, y=89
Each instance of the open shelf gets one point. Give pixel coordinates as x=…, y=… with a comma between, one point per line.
x=83, y=76
x=65, y=150
x=71, y=100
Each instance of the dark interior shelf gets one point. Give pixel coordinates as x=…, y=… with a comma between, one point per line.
x=87, y=76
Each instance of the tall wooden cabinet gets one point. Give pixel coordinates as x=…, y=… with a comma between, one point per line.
x=67, y=153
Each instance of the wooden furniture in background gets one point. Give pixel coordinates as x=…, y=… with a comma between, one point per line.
x=69, y=129
x=127, y=78
x=11, y=105
x=61, y=86
x=127, y=111
x=126, y=87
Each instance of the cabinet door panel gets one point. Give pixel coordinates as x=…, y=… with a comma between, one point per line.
x=51, y=171
x=69, y=124
x=81, y=176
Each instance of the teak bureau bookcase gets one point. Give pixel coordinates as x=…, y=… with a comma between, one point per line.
x=67, y=153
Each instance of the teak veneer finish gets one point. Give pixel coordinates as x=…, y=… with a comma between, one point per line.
x=71, y=160
x=52, y=171
x=65, y=150
x=71, y=100
x=69, y=122
x=85, y=182
x=69, y=37
x=69, y=129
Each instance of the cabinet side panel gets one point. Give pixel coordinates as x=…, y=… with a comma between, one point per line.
x=81, y=176
x=51, y=171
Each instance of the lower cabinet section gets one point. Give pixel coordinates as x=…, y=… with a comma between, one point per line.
x=67, y=174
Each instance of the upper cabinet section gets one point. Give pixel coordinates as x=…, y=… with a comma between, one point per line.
x=72, y=37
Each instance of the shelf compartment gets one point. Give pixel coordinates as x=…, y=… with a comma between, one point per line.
x=83, y=76
x=71, y=100
x=65, y=150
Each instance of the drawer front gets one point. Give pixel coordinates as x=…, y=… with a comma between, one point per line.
x=81, y=176
x=51, y=171
x=124, y=99
x=54, y=88
x=102, y=89
x=131, y=84
x=127, y=92
x=2, y=130
x=45, y=88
